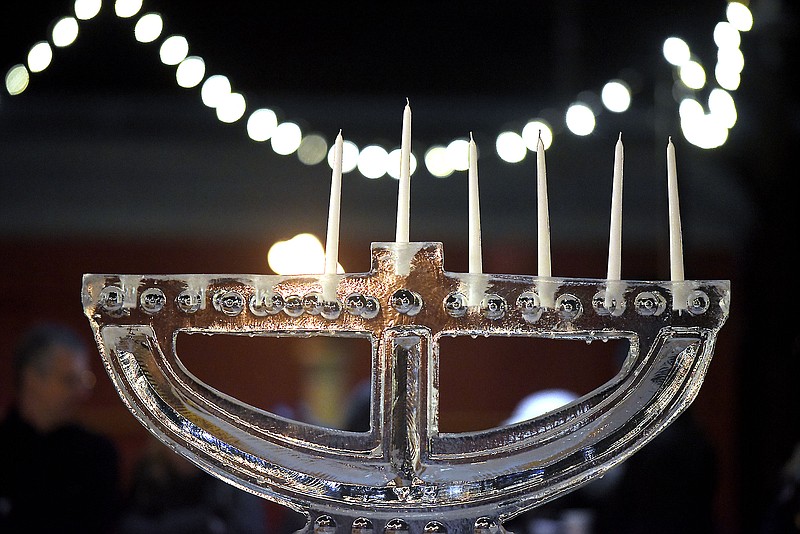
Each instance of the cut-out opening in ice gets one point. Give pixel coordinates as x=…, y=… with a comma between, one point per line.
x=486, y=381
x=320, y=380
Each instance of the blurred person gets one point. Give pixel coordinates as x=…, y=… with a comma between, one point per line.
x=55, y=475
x=170, y=495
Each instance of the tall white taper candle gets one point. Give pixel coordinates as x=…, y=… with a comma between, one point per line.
x=404, y=190
x=543, y=215
x=475, y=255
x=615, y=232
x=332, y=241
x=675, y=238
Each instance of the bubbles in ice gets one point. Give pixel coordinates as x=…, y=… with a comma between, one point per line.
x=324, y=524
x=698, y=302
x=486, y=525
x=152, y=300
x=355, y=304
x=529, y=304
x=312, y=303
x=331, y=309
x=455, y=304
x=493, y=306
x=649, y=303
x=406, y=302
x=569, y=307
x=616, y=306
x=263, y=304
x=230, y=303
x=435, y=527
x=362, y=525
x=189, y=301
x=371, y=308
x=362, y=305
x=396, y=526
x=112, y=298
x=293, y=306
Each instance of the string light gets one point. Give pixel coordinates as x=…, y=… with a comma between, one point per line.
x=231, y=107
x=148, y=28
x=286, y=138
x=261, y=124
x=393, y=167
x=616, y=96
x=65, y=32
x=190, y=72
x=40, y=56
x=437, y=162
x=17, y=79
x=580, y=119
x=127, y=8
x=511, y=147
x=174, y=49
x=710, y=129
x=704, y=129
x=373, y=161
x=87, y=9
x=312, y=149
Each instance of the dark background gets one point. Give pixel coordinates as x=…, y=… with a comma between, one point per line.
x=106, y=165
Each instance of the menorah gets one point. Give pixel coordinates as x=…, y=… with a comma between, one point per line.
x=404, y=475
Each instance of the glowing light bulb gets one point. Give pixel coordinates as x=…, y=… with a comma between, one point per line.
x=127, y=8
x=437, y=162
x=373, y=161
x=510, y=147
x=286, y=138
x=616, y=96
x=65, y=32
x=580, y=119
x=676, y=51
x=190, y=72
x=87, y=9
x=174, y=49
x=261, y=124
x=17, y=79
x=214, y=90
x=40, y=56
x=148, y=28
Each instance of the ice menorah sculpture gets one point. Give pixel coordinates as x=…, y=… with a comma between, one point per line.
x=403, y=475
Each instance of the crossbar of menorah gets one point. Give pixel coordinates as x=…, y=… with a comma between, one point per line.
x=404, y=475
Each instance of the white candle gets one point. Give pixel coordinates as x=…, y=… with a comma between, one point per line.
x=675, y=239
x=404, y=191
x=475, y=256
x=332, y=241
x=542, y=211
x=615, y=232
